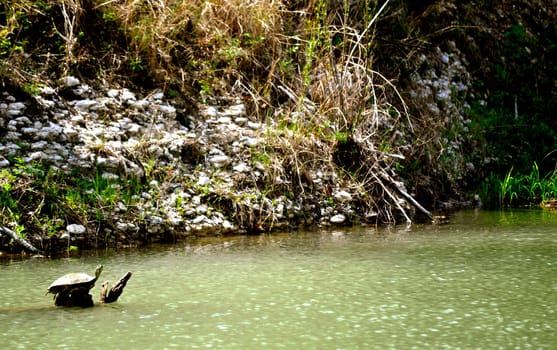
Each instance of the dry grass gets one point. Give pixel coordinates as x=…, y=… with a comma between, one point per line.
x=194, y=40
x=309, y=64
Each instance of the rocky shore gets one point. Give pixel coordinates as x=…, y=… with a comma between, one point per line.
x=211, y=173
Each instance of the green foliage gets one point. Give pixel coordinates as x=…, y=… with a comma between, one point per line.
x=516, y=126
x=32, y=89
x=341, y=136
x=40, y=198
x=205, y=90
x=136, y=64
x=518, y=190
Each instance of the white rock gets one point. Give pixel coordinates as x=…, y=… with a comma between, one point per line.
x=253, y=125
x=443, y=94
x=279, y=211
x=39, y=145
x=259, y=166
x=196, y=200
x=199, y=219
x=46, y=90
x=70, y=132
x=121, y=207
x=83, y=90
x=113, y=93
x=12, y=136
x=241, y=120
x=17, y=106
x=122, y=226
x=11, y=149
x=140, y=105
x=253, y=141
x=85, y=105
x=342, y=196
x=35, y=156
x=444, y=57
x=236, y=110
x=241, y=168
x=12, y=125
x=154, y=184
x=156, y=220
x=55, y=158
x=175, y=220
x=45, y=103
x=166, y=109
x=76, y=229
x=337, y=219
x=146, y=195
x=219, y=161
x=4, y=162
x=224, y=120
x=201, y=209
x=127, y=95
x=210, y=112
x=226, y=225
x=110, y=176
x=156, y=151
x=71, y=81
x=14, y=112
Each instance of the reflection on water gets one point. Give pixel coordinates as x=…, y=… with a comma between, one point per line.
x=487, y=280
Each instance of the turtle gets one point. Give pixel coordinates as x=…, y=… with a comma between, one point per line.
x=73, y=289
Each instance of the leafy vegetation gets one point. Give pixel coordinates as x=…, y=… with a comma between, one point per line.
x=46, y=200
x=521, y=190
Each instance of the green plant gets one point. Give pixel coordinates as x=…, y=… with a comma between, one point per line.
x=550, y=186
x=205, y=90
x=521, y=189
x=341, y=136
x=508, y=187
x=32, y=89
x=136, y=64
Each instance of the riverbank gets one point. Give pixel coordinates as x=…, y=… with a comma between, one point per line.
x=85, y=168
x=124, y=123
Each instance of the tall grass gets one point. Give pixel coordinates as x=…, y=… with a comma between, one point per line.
x=527, y=189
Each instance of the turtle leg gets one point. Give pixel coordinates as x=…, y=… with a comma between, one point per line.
x=62, y=299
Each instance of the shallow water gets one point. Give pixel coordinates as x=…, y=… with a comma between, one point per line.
x=487, y=280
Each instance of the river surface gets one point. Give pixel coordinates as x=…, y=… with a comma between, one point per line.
x=486, y=280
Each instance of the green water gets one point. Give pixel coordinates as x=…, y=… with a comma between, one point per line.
x=487, y=280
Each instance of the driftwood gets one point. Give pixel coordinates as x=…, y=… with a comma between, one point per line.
x=19, y=240
x=110, y=296
x=400, y=188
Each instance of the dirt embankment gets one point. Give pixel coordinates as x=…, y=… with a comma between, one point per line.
x=266, y=134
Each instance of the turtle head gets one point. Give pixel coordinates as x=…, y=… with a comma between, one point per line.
x=98, y=271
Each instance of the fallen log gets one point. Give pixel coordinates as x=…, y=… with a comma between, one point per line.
x=21, y=241
x=110, y=296
x=400, y=188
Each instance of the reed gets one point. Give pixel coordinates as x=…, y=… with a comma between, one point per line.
x=527, y=189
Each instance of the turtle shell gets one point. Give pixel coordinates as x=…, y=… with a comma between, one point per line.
x=72, y=281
